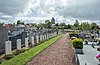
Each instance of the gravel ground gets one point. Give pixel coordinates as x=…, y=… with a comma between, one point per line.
x=59, y=53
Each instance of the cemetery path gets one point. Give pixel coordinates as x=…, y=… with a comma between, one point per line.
x=59, y=53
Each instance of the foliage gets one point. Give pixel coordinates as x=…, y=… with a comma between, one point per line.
x=16, y=52
x=85, y=26
x=93, y=25
x=68, y=26
x=48, y=24
x=24, y=49
x=62, y=26
x=76, y=24
x=9, y=56
x=19, y=22
x=23, y=58
x=77, y=43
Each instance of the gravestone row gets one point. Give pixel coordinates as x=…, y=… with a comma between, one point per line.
x=8, y=44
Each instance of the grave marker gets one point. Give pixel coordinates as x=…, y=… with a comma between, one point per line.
x=8, y=47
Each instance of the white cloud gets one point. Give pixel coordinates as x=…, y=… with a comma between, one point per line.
x=70, y=9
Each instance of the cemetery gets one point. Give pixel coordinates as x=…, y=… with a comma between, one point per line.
x=49, y=32
x=28, y=42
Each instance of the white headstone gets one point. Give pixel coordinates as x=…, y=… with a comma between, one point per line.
x=37, y=39
x=45, y=37
x=26, y=42
x=8, y=47
x=18, y=43
x=32, y=41
x=40, y=37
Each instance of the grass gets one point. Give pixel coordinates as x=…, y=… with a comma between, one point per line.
x=23, y=58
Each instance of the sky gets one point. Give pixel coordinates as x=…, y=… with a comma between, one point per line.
x=37, y=11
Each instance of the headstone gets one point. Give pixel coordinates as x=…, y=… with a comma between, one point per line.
x=24, y=35
x=45, y=37
x=26, y=42
x=32, y=41
x=8, y=47
x=18, y=43
x=40, y=37
x=37, y=38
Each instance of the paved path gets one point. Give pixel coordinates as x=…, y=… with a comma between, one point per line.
x=89, y=56
x=59, y=53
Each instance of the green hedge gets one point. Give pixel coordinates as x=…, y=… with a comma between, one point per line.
x=77, y=43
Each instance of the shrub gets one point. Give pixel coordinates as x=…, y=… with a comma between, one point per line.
x=16, y=52
x=9, y=56
x=77, y=43
x=24, y=49
x=31, y=45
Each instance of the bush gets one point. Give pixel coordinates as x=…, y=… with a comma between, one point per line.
x=77, y=43
x=16, y=52
x=9, y=56
x=31, y=45
x=24, y=49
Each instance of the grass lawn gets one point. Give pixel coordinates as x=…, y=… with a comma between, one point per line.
x=23, y=58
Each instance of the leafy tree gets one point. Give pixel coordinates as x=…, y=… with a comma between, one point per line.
x=19, y=22
x=68, y=26
x=63, y=26
x=48, y=24
x=76, y=24
x=56, y=24
x=93, y=25
x=85, y=26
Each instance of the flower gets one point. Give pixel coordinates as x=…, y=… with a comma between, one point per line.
x=97, y=56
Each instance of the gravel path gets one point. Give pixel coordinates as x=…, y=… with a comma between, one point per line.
x=59, y=53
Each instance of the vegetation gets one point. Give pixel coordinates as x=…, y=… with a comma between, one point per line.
x=9, y=56
x=19, y=22
x=77, y=43
x=23, y=58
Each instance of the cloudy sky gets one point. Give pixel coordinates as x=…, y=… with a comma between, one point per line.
x=37, y=11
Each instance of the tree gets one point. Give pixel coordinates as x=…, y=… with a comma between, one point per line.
x=63, y=26
x=93, y=25
x=56, y=24
x=68, y=26
x=53, y=20
x=76, y=24
x=19, y=22
x=48, y=23
x=85, y=26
